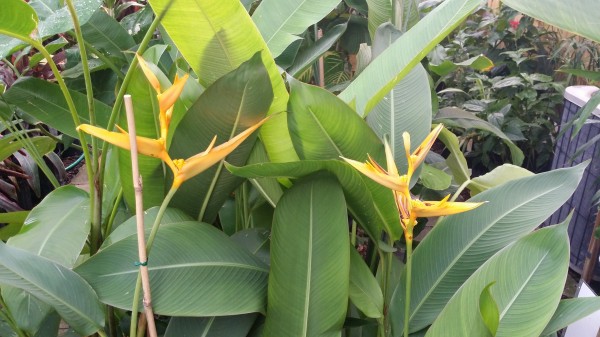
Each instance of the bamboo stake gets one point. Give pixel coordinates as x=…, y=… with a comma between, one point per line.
x=139, y=216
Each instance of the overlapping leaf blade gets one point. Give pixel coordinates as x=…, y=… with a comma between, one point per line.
x=215, y=37
x=310, y=262
x=529, y=276
x=459, y=244
x=227, y=280
x=280, y=21
x=375, y=81
x=323, y=128
x=235, y=102
x=54, y=284
x=56, y=229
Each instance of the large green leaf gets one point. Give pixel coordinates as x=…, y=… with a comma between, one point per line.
x=365, y=292
x=463, y=119
x=56, y=229
x=45, y=102
x=310, y=261
x=215, y=37
x=460, y=243
x=232, y=104
x=380, y=12
x=280, y=22
x=379, y=77
x=579, y=17
x=107, y=35
x=529, y=276
x=9, y=145
x=17, y=18
x=54, y=19
x=226, y=279
x=308, y=56
x=225, y=326
x=570, y=311
x=406, y=108
x=360, y=201
x=54, y=284
x=497, y=176
x=323, y=127
x=129, y=227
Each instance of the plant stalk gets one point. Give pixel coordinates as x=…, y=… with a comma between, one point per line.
x=408, y=235
x=139, y=216
x=96, y=189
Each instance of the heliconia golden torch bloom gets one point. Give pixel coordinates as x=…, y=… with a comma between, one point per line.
x=410, y=208
x=183, y=169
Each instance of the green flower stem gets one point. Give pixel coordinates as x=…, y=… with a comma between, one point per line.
x=151, y=237
x=113, y=213
x=408, y=235
x=106, y=60
x=96, y=193
x=460, y=189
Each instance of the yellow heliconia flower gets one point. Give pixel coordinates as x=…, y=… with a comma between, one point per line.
x=157, y=148
x=409, y=208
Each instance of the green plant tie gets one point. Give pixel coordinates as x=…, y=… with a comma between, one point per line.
x=139, y=264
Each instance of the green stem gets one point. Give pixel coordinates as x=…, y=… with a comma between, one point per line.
x=12, y=67
x=408, y=235
x=106, y=60
x=138, y=284
x=95, y=187
x=113, y=213
x=111, y=323
x=460, y=189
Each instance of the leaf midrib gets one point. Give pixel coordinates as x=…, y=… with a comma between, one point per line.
x=471, y=242
x=191, y=265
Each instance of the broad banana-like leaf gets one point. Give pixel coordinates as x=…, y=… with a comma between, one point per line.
x=227, y=280
x=375, y=81
x=215, y=37
x=17, y=19
x=233, y=103
x=365, y=292
x=570, y=311
x=54, y=284
x=45, y=102
x=56, y=229
x=280, y=22
x=224, y=326
x=380, y=12
x=579, y=17
x=497, y=176
x=360, y=201
x=106, y=34
x=310, y=261
x=129, y=228
x=406, y=108
x=459, y=244
x=323, y=127
x=529, y=276
x=309, y=55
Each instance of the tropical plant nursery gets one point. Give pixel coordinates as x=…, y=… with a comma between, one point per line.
x=299, y=168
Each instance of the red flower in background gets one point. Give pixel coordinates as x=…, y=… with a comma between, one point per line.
x=514, y=23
